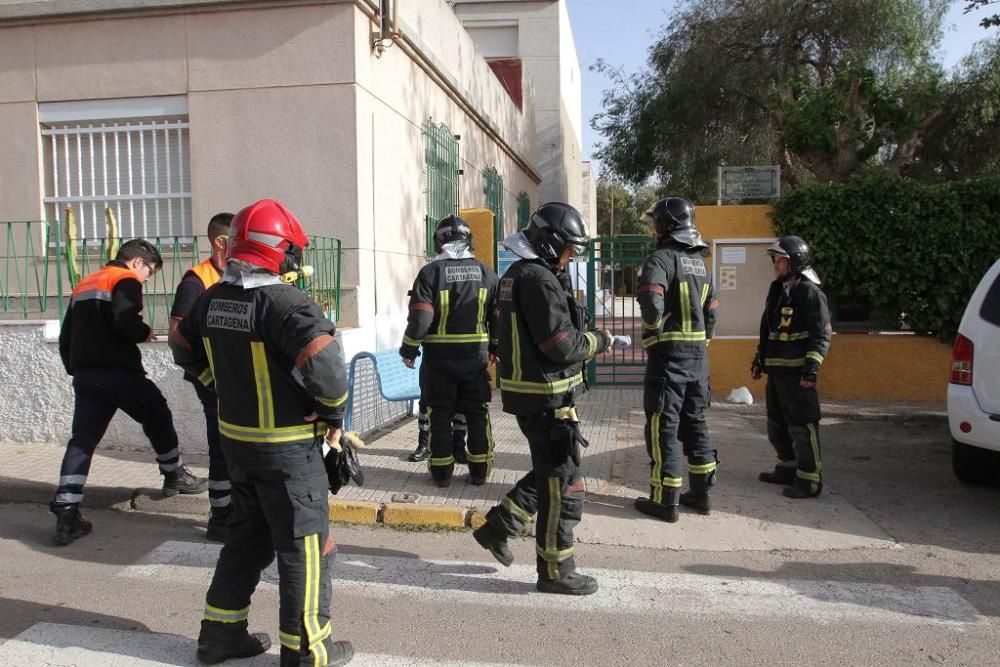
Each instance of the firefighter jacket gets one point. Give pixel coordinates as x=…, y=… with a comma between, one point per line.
x=544, y=344
x=795, y=328
x=272, y=356
x=677, y=301
x=103, y=324
x=452, y=311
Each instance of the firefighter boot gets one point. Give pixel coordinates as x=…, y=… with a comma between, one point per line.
x=218, y=524
x=782, y=474
x=441, y=475
x=70, y=524
x=572, y=584
x=423, y=449
x=666, y=513
x=337, y=653
x=697, y=498
x=420, y=453
x=222, y=641
x=803, y=489
x=491, y=540
x=182, y=481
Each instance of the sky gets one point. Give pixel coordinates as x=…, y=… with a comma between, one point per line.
x=622, y=38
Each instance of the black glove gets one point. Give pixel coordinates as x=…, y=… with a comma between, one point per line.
x=568, y=430
x=342, y=466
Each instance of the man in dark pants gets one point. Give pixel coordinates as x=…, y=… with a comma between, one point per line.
x=194, y=283
x=98, y=344
x=678, y=305
x=451, y=316
x=795, y=336
x=282, y=384
x=544, y=346
x=459, y=428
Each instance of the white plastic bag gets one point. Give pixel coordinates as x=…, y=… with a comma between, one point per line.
x=740, y=395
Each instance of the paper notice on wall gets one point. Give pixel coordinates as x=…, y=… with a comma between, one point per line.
x=734, y=255
x=727, y=277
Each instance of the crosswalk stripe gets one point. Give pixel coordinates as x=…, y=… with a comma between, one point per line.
x=58, y=644
x=621, y=591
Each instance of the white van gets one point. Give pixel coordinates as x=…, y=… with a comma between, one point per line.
x=974, y=386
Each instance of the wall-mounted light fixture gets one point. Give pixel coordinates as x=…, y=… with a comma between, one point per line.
x=387, y=32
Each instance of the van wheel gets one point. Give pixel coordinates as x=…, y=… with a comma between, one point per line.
x=973, y=465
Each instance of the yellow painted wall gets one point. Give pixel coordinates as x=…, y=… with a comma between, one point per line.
x=858, y=366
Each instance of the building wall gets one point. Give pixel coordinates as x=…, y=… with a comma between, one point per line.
x=588, y=186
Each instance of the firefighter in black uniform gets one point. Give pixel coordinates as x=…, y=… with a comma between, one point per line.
x=677, y=300
x=452, y=315
x=196, y=280
x=98, y=344
x=795, y=336
x=544, y=346
x=282, y=385
x=458, y=431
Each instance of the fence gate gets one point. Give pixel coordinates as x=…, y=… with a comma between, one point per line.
x=612, y=281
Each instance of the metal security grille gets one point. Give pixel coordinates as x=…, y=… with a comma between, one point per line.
x=612, y=277
x=441, y=160
x=493, y=187
x=139, y=168
x=523, y=210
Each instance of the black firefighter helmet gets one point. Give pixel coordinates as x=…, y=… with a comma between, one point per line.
x=797, y=252
x=554, y=226
x=673, y=220
x=451, y=229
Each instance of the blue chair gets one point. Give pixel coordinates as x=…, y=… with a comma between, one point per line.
x=397, y=388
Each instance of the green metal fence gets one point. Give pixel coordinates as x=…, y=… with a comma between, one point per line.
x=38, y=266
x=612, y=277
x=441, y=162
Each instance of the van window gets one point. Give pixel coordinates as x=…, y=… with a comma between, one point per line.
x=990, y=310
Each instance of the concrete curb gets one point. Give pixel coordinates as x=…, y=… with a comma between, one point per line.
x=152, y=501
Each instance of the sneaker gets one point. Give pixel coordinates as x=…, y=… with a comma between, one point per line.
x=666, y=513
x=572, y=584
x=495, y=544
x=182, y=481
x=70, y=524
x=214, y=651
x=701, y=504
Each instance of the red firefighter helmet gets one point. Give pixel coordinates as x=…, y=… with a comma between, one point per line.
x=265, y=233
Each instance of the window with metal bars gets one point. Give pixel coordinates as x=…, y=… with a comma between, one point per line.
x=441, y=161
x=493, y=187
x=523, y=210
x=139, y=167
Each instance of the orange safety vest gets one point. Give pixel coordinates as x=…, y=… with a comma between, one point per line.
x=206, y=272
x=99, y=284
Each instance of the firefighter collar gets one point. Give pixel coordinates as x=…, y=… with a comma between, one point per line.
x=455, y=250
x=519, y=245
x=240, y=273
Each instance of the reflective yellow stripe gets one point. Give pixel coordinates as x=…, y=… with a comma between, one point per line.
x=206, y=377
x=226, y=615
x=291, y=641
x=489, y=441
x=552, y=528
x=802, y=335
x=814, y=441
x=591, y=343
x=685, y=299
x=675, y=336
x=515, y=509
x=554, y=555
x=541, y=388
x=457, y=338
x=410, y=341
x=702, y=469
x=333, y=403
x=672, y=482
x=784, y=363
x=262, y=378
x=310, y=604
x=656, y=495
x=208, y=353
x=704, y=294
x=481, y=317
x=515, y=347
x=275, y=434
x=652, y=327
x=440, y=461
x=815, y=356
x=445, y=298
x=810, y=476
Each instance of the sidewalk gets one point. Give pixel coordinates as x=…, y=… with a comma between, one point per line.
x=747, y=515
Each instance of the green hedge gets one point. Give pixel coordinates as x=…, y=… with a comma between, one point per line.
x=912, y=251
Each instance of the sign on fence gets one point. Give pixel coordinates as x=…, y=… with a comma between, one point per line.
x=740, y=183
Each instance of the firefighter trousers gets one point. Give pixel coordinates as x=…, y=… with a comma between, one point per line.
x=280, y=506
x=793, y=416
x=458, y=427
x=552, y=488
x=218, y=473
x=99, y=394
x=675, y=398
x=450, y=388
